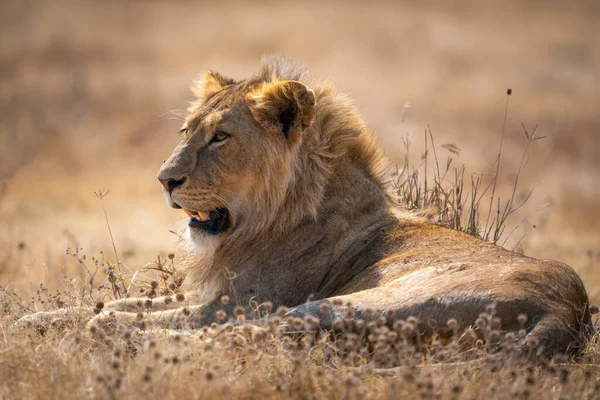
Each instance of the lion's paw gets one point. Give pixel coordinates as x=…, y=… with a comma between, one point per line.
x=114, y=323
x=44, y=320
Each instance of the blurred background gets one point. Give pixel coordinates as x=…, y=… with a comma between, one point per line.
x=90, y=94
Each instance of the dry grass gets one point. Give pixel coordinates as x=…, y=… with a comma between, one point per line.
x=87, y=92
x=377, y=359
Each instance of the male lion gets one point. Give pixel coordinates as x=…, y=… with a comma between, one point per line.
x=284, y=189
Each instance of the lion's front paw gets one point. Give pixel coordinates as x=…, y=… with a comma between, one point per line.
x=114, y=323
x=45, y=320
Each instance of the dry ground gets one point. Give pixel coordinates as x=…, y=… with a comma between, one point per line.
x=89, y=93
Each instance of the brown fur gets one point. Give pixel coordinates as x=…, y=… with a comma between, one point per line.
x=310, y=216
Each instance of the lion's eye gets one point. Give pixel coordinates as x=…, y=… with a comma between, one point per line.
x=183, y=131
x=219, y=136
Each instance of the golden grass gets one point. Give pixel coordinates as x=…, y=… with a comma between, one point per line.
x=375, y=360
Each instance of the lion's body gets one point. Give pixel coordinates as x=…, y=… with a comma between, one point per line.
x=303, y=212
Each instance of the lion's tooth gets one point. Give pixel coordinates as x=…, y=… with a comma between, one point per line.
x=189, y=213
x=203, y=216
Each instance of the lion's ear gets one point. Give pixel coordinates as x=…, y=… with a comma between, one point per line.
x=210, y=83
x=286, y=106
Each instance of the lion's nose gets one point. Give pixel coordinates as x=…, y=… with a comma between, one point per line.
x=171, y=184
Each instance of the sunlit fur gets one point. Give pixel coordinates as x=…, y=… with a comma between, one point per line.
x=311, y=218
x=289, y=177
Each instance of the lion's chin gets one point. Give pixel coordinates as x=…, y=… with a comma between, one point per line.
x=201, y=243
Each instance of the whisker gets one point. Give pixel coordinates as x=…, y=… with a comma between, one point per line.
x=178, y=113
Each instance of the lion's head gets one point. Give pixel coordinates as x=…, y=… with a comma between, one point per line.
x=254, y=153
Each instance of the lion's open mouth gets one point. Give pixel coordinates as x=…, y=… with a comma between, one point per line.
x=213, y=222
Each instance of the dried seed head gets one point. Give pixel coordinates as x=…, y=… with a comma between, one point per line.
x=413, y=320
x=360, y=323
x=247, y=329
x=224, y=299
x=381, y=321
x=530, y=380
x=532, y=342
x=154, y=284
x=220, y=314
x=267, y=306
x=337, y=302
x=311, y=321
x=398, y=325
x=324, y=307
x=522, y=319
x=338, y=324
x=140, y=316
x=594, y=309
x=496, y=323
x=168, y=300
x=171, y=256
x=148, y=303
x=494, y=336
x=186, y=312
x=368, y=313
x=297, y=323
x=282, y=311
x=180, y=297
x=409, y=377
x=452, y=324
x=408, y=329
x=99, y=305
x=238, y=311
x=480, y=323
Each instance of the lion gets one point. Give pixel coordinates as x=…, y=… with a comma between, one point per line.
x=288, y=202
